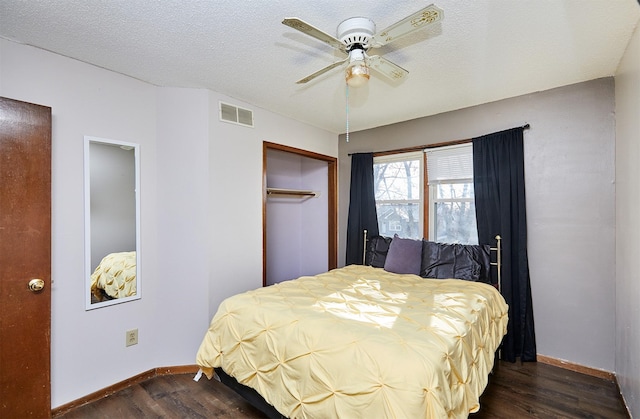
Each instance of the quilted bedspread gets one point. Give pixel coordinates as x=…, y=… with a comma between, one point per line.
x=359, y=342
x=116, y=275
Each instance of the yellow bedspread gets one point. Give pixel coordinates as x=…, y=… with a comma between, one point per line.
x=116, y=275
x=359, y=342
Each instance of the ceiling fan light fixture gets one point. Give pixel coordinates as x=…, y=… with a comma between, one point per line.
x=357, y=35
x=357, y=74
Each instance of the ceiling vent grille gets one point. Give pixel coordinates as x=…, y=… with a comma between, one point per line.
x=236, y=115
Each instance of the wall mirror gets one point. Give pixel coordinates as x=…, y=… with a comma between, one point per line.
x=112, y=222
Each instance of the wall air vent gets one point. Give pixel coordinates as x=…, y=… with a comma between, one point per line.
x=236, y=115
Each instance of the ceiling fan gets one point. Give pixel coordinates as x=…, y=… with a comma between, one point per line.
x=357, y=35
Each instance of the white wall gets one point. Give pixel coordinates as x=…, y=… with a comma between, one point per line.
x=182, y=205
x=235, y=156
x=315, y=220
x=628, y=225
x=569, y=174
x=201, y=211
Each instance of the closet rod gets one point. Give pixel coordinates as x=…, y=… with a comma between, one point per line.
x=291, y=192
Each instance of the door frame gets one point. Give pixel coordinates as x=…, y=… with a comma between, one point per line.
x=332, y=194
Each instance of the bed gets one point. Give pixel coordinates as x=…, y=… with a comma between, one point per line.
x=359, y=341
x=114, y=277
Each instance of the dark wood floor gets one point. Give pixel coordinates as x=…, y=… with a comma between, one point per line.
x=538, y=390
x=515, y=391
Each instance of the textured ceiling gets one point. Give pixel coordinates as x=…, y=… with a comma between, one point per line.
x=482, y=51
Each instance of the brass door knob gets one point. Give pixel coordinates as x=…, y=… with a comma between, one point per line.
x=36, y=285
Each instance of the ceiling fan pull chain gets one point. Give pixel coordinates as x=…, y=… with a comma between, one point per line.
x=347, y=108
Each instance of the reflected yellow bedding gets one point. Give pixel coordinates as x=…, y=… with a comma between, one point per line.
x=116, y=275
x=359, y=342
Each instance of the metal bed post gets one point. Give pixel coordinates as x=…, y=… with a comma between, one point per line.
x=364, y=247
x=498, y=262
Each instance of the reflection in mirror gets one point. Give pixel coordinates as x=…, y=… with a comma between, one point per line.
x=112, y=222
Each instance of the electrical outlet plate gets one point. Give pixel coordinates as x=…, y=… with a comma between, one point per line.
x=132, y=337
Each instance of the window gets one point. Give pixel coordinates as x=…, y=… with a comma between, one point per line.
x=449, y=206
x=398, y=185
x=452, y=212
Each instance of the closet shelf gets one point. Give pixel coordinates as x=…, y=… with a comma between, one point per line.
x=292, y=192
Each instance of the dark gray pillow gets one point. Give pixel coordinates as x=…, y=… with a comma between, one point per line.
x=460, y=261
x=377, y=249
x=404, y=256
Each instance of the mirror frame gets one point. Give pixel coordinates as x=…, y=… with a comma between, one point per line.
x=88, y=140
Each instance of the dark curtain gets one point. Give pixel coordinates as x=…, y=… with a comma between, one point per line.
x=362, y=207
x=498, y=172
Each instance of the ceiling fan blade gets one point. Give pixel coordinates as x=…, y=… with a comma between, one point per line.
x=419, y=19
x=322, y=71
x=387, y=68
x=306, y=28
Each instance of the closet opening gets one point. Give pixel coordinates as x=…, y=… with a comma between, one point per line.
x=299, y=213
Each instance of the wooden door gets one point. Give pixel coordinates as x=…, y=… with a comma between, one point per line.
x=25, y=254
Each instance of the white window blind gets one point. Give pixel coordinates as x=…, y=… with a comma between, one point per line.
x=451, y=163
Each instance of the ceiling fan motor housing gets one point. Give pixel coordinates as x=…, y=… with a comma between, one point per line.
x=356, y=32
